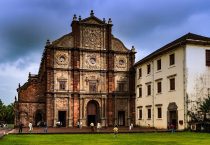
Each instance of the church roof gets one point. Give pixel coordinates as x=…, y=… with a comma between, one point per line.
x=66, y=41
x=188, y=38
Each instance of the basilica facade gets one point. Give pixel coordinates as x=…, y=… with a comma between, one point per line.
x=86, y=76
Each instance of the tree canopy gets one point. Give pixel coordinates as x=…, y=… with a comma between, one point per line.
x=6, y=112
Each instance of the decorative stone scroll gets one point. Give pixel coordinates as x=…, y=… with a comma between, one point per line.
x=117, y=45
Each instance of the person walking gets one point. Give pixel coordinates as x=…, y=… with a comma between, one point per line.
x=81, y=125
x=30, y=127
x=172, y=128
x=20, y=127
x=115, y=129
x=92, y=126
x=98, y=126
x=130, y=127
x=45, y=127
x=78, y=124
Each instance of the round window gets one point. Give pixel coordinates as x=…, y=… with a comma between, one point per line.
x=62, y=59
x=92, y=60
x=121, y=62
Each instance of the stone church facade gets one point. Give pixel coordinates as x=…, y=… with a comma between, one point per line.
x=86, y=75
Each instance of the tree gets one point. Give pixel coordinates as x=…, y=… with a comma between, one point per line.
x=2, y=111
x=205, y=107
x=10, y=113
x=7, y=112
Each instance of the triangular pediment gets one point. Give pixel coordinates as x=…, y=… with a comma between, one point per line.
x=92, y=20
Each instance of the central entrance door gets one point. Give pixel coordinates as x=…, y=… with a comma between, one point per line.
x=92, y=112
x=121, y=118
x=173, y=118
x=173, y=114
x=62, y=118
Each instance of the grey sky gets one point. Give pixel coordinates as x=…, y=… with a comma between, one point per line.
x=25, y=25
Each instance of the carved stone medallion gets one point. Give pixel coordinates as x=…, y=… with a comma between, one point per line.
x=121, y=62
x=61, y=59
x=91, y=61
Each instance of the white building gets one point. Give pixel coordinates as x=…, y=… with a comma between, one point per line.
x=172, y=81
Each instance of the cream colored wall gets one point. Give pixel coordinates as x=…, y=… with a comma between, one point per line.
x=166, y=96
x=198, y=75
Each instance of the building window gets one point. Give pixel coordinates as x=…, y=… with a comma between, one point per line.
x=172, y=59
x=172, y=84
x=140, y=92
x=140, y=113
x=149, y=113
x=93, y=86
x=159, y=87
x=62, y=85
x=159, y=64
x=121, y=87
x=140, y=73
x=148, y=90
x=159, y=111
x=207, y=57
x=148, y=69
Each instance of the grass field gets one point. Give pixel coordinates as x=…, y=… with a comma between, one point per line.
x=183, y=138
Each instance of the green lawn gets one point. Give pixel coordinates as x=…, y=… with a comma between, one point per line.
x=183, y=138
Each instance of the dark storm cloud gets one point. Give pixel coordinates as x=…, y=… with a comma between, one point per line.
x=143, y=17
x=25, y=25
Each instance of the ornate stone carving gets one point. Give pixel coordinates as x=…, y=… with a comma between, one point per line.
x=91, y=37
x=61, y=103
x=121, y=62
x=92, y=61
x=61, y=58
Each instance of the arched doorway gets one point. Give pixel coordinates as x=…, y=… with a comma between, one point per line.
x=173, y=114
x=92, y=112
x=38, y=117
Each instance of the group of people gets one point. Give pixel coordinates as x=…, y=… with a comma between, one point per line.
x=131, y=126
x=30, y=125
x=79, y=125
x=98, y=127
